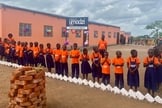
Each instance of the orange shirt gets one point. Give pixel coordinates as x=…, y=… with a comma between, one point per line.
x=64, y=56
x=160, y=60
x=74, y=55
x=83, y=56
x=7, y=48
x=18, y=50
x=21, y=52
x=96, y=56
x=35, y=51
x=149, y=59
x=57, y=54
x=102, y=44
x=105, y=63
x=42, y=51
x=48, y=51
x=118, y=64
x=136, y=60
x=31, y=49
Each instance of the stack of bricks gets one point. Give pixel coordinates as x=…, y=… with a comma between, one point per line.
x=27, y=89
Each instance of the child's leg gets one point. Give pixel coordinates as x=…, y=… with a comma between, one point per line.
x=148, y=90
x=49, y=69
x=103, y=78
x=86, y=75
x=153, y=93
x=66, y=69
x=94, y=79
x=77, y=70
x=121, y=81
x=116, y=80
x=98, y=79
x=83, y=76
x=135, y=88
x=73, y=70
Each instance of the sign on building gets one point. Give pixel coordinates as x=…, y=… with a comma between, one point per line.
x=77, y=23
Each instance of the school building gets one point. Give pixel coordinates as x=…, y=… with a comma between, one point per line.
x=30, y=26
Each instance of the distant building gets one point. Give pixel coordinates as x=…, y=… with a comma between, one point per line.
x=30, y=26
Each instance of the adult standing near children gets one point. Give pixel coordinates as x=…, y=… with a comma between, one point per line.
x=10, y=38
x=102, y=45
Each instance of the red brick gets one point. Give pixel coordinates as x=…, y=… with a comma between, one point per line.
x=25, y=103
x=25, y=78
x=22, y=91
x=18, y=99
x=30, y=86
x=26, y=68
x=18, y=82
x=37, y=80
x=32, y=95
x=31, y=72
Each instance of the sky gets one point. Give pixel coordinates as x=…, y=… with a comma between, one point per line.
x=130, y=15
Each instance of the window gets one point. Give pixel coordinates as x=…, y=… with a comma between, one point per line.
x=109, y=34
x=48, y=31
x=64, y=32
x=78, y=33
x=95, y=34
x=24, y=29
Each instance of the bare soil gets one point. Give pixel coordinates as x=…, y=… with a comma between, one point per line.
x=62, y=94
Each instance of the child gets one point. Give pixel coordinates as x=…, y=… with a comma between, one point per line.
x=25, y=54
x=31, y=54
x=96, y=67
x=20, y=54
x=151, y=63
x=12, y=52
x=49, y=58
x=57, y=56
x=74, y=55
x=133, y=74
x=85, y=66
x=64, y=61
x=118, y=63
x=41, y=52
x=35, y=53
x=105, y=63
x=7, y=48
x=159, y=70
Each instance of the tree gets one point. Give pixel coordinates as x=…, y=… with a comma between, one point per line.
x=155, y=27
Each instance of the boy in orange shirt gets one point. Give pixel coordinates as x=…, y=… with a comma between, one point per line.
x=118, y=63
x=105, y=63
x=64, y=61
x=74, y=55
x=57, y=56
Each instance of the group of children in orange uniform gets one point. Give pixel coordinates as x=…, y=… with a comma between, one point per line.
x=34, y=54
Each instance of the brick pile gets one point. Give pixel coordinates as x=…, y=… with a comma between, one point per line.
x=27, y=89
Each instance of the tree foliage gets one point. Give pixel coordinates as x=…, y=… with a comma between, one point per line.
x=156, y=27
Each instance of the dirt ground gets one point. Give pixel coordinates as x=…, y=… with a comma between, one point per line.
x=62, y=94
